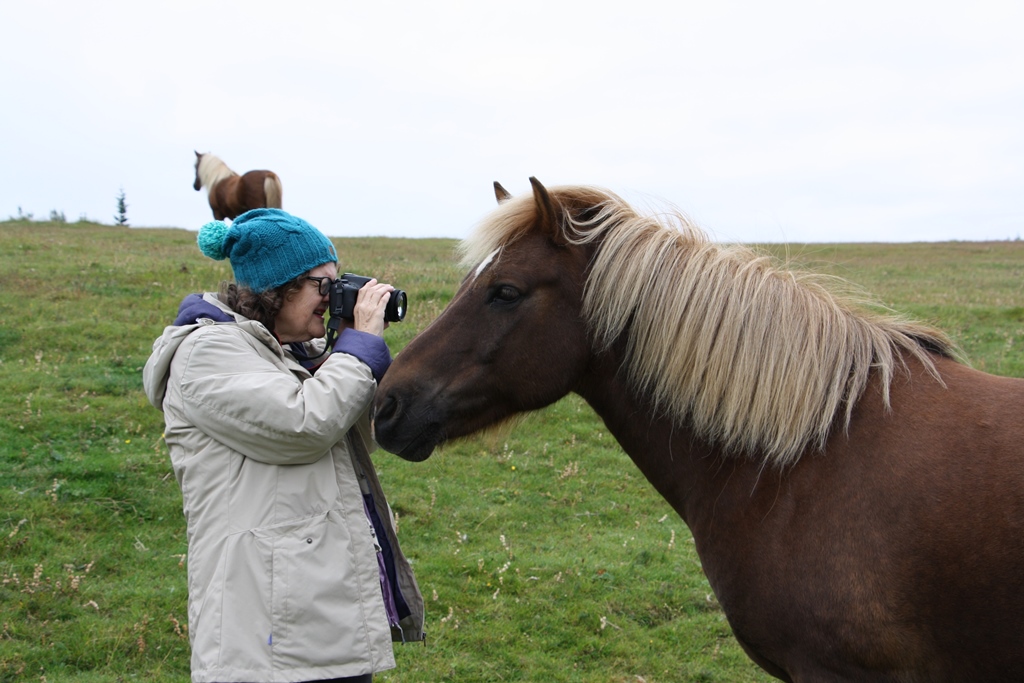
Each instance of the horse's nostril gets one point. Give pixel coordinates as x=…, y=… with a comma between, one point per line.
x=386, y=408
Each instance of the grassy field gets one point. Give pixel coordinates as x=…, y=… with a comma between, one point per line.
x=543, y=554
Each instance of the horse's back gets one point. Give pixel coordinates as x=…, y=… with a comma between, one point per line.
x=252, y=190
x=971, y=548
x=947, y=465
x=906, y=535
x=240, y=193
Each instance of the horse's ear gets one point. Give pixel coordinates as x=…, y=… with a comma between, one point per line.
x=197, y=154
x=547, y=216
x=500, y=193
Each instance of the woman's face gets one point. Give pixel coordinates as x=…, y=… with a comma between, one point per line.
x=301, y=317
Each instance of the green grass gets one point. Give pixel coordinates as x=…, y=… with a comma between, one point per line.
x=542, y=553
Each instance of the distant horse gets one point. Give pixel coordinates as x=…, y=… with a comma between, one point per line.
x=855, y=493
x=231, y=194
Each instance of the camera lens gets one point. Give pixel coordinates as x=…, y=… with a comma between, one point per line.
x=395, y=310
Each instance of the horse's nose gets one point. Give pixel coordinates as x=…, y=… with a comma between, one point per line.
x=385, y=411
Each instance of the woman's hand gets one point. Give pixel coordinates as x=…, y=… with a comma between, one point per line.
x=368, y=312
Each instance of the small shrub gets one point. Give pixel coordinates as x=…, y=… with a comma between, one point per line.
x=122, y=210
x=21, y=216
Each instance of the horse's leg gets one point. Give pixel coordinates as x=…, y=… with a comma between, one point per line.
x=217, y=201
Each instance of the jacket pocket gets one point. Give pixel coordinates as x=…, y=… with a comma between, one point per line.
x=233, y=623
x=301, y=594
x=319, y=587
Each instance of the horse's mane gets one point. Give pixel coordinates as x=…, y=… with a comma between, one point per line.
x=211, y=170
x=756, y=358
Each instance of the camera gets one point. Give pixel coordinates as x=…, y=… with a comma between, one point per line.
x=343, y=299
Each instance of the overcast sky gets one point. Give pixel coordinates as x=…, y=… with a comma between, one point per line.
x=784, y=121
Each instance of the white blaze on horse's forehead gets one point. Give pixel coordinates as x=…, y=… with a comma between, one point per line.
x=486, y=262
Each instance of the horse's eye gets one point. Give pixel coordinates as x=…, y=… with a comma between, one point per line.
x=506, y=294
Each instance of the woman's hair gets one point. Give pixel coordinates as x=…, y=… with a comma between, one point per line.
x=262, y=307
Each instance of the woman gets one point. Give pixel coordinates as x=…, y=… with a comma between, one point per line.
x=294, y=570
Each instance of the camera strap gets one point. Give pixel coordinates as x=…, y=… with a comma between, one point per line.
x=332, y=332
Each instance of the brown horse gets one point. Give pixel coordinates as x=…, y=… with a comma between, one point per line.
x=231, y=194
x=855, y=493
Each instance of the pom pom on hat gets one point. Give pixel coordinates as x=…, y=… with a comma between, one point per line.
x=211, y=239
x=267, y=247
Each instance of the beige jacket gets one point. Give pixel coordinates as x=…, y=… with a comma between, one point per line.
x=283, y=575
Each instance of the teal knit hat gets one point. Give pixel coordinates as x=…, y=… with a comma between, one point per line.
x=267, y=247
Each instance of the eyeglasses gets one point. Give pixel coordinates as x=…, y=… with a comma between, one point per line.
x=323, y=284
